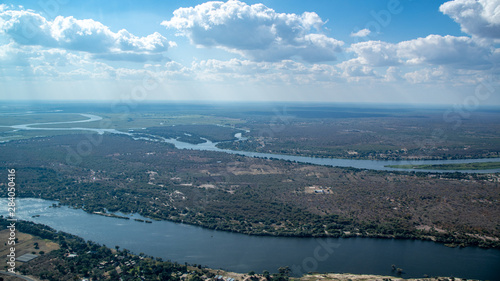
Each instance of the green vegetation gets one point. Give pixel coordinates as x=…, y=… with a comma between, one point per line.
x=144, y=120
x=10, y=135
x=24, y=118
x=461, y=166
x=194, y=133
x=136, y=122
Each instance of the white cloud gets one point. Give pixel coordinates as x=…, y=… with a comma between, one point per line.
x=426, y=75
x=459, y=52
x=392, y=74
x=245, y=71
x=354, y=71
x=362, y=33
x=255, y=31
x=479, y=18
x=376, y=53
x=233, y=66
x=12, y=56
x=29, y=28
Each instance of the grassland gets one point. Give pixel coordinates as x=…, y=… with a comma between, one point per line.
x=121, y=122
x=144, y=120
x=461, y=166
x=26, y=244
x=13, y=119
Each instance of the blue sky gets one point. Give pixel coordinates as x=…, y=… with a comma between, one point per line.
x=390, y=51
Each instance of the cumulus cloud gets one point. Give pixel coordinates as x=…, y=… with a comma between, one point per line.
x=445, y=50
x=35, y=61
x=233, y=66
x=255, y=31
x=244, y=71
x=427, y=75
x=376, y=53
x=479, y=18
x=462, y=52
x=26, y=27
x=362, y=33
x=354, y=71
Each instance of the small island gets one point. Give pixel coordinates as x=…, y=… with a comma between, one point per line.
x=111, y=215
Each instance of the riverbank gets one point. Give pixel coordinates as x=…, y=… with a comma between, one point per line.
x=334, y=277
x=243, y=253
x=64, y=252
x=461, y=166
x=368, y=277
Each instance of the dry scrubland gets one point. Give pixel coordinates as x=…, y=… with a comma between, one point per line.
x=258, y=196
x=401, y=136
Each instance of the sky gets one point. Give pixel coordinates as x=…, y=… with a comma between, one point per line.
x=372, y=51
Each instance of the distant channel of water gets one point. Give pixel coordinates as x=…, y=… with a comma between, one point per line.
x=379, y=165
x=243, y=253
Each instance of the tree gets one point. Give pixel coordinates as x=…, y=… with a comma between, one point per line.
x=284, y=270
x=114, y=275
x=164, y=276
x=196, y=278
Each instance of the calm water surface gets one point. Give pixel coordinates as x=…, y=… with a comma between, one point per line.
x=243, y=253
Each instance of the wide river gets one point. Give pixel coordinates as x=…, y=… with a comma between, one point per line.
x=243, y=253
